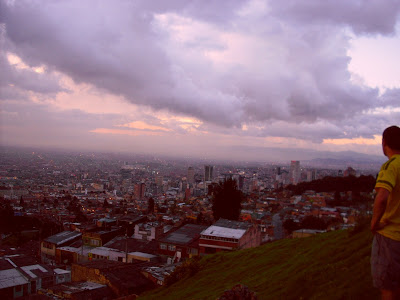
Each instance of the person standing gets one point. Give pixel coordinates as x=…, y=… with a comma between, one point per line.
x=385, y=223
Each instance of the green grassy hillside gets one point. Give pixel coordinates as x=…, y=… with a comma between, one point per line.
x=332, y=265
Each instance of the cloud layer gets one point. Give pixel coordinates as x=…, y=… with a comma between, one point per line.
x=242, y=68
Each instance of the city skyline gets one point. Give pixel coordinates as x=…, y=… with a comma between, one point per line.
x=247, y=80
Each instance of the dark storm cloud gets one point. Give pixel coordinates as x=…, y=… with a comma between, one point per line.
x=292, y=78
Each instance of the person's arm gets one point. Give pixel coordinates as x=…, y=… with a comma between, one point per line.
x=379, y=208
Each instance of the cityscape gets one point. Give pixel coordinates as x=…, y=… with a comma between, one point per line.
x=141, y=216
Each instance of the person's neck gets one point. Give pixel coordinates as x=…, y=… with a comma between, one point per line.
x=391, y=152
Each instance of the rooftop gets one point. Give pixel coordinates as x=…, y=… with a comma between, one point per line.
x=63, y=237
x=34, y=270
x=132, y=245
x=11, y=277
x=184, y=235
x=233, y=224
x=82, y=288
x=218, y=231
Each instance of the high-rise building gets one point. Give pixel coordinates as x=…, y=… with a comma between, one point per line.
x=239, y=180
x=294, y=172
x=159, y=180
x=139, y=190
x=190, y=175
x=208, y=173
x=311, y=175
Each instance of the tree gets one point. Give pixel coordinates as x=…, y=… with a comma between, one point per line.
x=290, y=225
x=55, y=203
x=106, y=204
x=21, y=201
x=200, y=218
x=73, y=205
x=150, y=208
x=338, y=198
x=226, y=201
x=6, y=217
x=311, y=222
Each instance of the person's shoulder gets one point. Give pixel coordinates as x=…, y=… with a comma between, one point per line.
x=394, y=161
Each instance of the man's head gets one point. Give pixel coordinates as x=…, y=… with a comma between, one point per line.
x=391, y=139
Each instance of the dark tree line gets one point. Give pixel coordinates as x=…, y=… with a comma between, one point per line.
x=11, y=224
x=309, y=222
x=333, y=184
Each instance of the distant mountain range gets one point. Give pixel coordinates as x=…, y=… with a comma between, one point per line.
x=346, y=159
x=315, y=158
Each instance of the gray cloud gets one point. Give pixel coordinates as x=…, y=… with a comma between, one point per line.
x=14, y=81
x=365, y=16
x=296, y=84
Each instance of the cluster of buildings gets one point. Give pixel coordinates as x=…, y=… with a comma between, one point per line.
x=116, y=264
x=125, y=226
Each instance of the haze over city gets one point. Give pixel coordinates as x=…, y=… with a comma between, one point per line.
x=258, y=80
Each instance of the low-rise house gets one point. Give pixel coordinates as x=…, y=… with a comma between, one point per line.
x=107, y=253
x=182, y=243
x=106, y=222
x=21, y=276
x=99, y=238
x=229, y=235
x=49, y=245
x=121, y=256
x=81, y=290
x=62, y=276
x=123, y=279
x=71, y=254
x=129, y=221
x=141, y=256
x=148, y=231
x=13, y=284
x=142, y=250
x=157, y=274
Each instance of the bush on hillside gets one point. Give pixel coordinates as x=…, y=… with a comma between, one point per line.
x=363, y=223
x=187, y=269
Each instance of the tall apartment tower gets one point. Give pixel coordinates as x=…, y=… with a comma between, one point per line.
x=159, y=180
x=190, y=175
x=139, y=190
x=208, y=173
x=294, y=172
x=311, y=175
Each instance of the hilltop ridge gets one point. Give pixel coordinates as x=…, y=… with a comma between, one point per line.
x=333, y=265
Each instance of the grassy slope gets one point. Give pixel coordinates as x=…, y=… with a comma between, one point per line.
x=332, y=265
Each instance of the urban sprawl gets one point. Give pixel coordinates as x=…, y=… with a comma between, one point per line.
x=114, y=225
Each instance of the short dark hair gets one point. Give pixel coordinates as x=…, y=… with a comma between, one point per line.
x=391, y=135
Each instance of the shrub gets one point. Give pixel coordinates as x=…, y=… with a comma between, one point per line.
x=187, y=269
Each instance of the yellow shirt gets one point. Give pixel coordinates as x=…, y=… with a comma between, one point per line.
x=389, y=179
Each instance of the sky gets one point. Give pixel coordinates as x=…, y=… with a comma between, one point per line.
x=209, y=79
